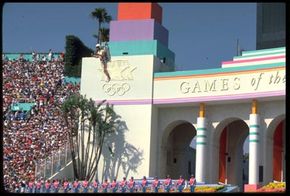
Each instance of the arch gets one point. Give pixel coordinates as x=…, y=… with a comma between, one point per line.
x=228, y=138
x=273, y=124
x=275, y=148
x=178, y=158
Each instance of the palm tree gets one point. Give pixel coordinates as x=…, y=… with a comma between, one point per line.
x=88, y=124
x=101, y=15
x=104, y=34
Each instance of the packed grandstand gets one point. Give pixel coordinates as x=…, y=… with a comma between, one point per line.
x=33, y=128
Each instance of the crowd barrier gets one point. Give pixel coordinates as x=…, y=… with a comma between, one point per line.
x=53, y=164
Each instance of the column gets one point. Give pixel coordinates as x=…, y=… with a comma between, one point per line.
x=201, y=146
x=254, y=158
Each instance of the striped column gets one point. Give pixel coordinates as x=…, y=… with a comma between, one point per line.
x=201, y=144
x=254, y=145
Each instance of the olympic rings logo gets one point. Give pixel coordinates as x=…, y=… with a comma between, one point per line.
x=112, y=89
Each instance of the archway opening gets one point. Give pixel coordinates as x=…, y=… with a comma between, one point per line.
x=231, y=153
x=180, y=159
x=279, y=162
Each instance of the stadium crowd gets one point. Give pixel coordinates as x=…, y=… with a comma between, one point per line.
x=35, y=134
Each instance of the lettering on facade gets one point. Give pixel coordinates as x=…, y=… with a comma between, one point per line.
x=120, y=71
x=232, y=83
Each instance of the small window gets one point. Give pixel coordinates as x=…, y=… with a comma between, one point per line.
x=125, y=53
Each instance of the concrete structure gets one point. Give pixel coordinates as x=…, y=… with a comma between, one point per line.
x=162, y=112
x=271, y=25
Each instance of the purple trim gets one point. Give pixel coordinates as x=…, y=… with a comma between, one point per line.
x=135, y=30
x=220, y=97
x=128, y=102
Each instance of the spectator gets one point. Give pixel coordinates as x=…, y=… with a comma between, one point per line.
x=27, y=135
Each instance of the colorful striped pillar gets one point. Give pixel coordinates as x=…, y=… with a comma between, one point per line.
x=254, y=145
x=201, y=144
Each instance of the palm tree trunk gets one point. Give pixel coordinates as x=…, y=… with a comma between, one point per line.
x=93, y=147
x=99, y=40
x=88, y=147
x=71, y=147
x=82, y=148
x=99, y=154
x=78, y=152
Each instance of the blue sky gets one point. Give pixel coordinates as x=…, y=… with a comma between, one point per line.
x=201, y=35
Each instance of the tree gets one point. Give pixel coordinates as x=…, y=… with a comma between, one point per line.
x=104, y=34
x=101, y=15
x=75, y=50
x=88, y=127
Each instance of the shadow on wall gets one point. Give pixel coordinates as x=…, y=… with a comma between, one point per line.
x=119, y=154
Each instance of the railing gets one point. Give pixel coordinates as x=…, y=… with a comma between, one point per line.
x=51, y=165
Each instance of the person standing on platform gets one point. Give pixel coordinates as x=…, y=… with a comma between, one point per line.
x=38, y=186
x=101, y=54
x=47, y=186
x=76, y=186
x=30, y=186
x=167, y=184
x=131, y=184
x=192, y=183
x=156, y=184
x=114, y=186
x=105, y=186
x=180, y=184
x=85, y=186
x=55, y=185
x=23, y=185
x=65, y=186
x=96, y=185
x=123, y=185
x=144, y=184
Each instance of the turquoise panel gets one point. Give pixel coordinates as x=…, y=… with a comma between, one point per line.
x=133, y=48
x=22, y=106
x=72, y=80
x=140, y=47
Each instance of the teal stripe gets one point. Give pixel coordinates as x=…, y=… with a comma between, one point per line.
x=200, y=143
x=218, y=70
x=254, y=133
x=257, y=55
x=263, y=50
x=201, y=129
x=254, y=126
x=254, y=141
x=201, y=136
